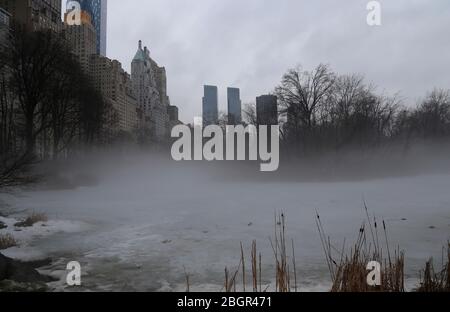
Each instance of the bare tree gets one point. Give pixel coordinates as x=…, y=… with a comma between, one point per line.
x=34, y=59
x=63, y=105
x=321, y=111
x=47, y=104
x=302, y=95
x=223, y=120
x=433, y=114
x=249, y=113
x=7, y=119
x=357, y=114
x=13, y=162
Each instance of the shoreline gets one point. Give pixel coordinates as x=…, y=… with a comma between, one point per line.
x=148, y=249
x=45, y=275
x=21, y=267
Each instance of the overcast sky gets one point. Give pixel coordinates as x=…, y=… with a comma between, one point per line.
x=250, y=43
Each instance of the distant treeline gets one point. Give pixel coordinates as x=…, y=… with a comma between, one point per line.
x=48, y=106
x=321, y=111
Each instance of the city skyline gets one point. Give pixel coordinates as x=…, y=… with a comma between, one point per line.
x=266, y=39
x=392, y=61
x=141, y=168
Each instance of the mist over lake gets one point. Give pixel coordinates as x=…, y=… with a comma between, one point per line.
x=138, y=223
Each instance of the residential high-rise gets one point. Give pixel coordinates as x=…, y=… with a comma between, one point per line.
x=35, y=14
x=173, y=113
x=210, y=106
x=234, y=106
x=267, y=110
x=173, y=117
x=98, y=9
x=150, y=86
x=82, y=39
x=116, y=87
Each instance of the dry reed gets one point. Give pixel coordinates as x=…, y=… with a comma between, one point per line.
x=7, y=241
x=348, y=268
x=432, y=281
x=349, y=271
x=284, y=275
x=32, y=219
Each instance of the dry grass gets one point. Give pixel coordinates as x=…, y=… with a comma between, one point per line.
x=347, y=266
x=32, y=219
x=349, y=271
x=432, y=281
x=284, y=278
x=7, y=241
x=188, y=282
x=285, y=268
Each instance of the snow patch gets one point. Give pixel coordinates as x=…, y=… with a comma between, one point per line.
x=27, y=236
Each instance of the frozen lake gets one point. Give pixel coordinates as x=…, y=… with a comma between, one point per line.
x=141, y=227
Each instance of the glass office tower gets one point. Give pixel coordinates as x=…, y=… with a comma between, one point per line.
x=234, y=106
x=267, y=110
x=210, y=106
x=98, y=10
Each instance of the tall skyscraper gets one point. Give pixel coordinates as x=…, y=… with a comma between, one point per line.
x=267, y=110
x=35, y=14
x=82, y=39
x=116, y=87
x=173, y=117
x=98, y=9
x=234, y=106
x=210, y=106
x=173, y=113
x=150, y=86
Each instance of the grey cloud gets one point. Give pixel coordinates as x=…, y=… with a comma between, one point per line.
x=250, y=44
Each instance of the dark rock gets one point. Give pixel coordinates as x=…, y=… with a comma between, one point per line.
x=22, y=272
x=12, y=286
x=23, y=224
x=39, y=263
x=2, y=225
x=3, y=267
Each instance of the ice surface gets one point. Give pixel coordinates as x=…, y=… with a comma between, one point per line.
x=142, y=226
x=26, y=236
